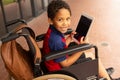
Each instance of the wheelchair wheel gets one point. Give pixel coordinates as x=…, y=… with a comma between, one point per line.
x=55, y=77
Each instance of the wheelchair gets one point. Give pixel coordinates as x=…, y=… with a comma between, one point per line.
x=75, y=72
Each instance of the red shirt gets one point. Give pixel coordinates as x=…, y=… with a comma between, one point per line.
x=53, y=41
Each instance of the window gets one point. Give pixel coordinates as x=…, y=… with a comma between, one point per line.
x=11, y=10
x=37, y=7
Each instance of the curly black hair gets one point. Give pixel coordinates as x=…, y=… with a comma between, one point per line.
x=56, y=5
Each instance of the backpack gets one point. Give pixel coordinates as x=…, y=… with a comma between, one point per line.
x=22, y=64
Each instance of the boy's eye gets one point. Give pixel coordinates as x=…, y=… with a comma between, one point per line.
x=59, y=19
x=68, y=19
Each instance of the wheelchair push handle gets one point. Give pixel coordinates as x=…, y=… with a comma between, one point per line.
x=68, y=31
x=9, y=38
x=71, y=50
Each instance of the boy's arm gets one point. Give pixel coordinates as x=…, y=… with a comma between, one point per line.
x=71, y=59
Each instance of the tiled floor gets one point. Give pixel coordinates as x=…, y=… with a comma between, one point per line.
x=104, y=31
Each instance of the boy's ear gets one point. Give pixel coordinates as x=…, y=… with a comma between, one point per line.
x=50, y=21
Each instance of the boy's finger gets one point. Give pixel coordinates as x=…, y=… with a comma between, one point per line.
x=82, y=38
x=73, y=32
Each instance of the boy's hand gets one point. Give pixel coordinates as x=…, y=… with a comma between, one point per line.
x=71, y=36
x=84, y=40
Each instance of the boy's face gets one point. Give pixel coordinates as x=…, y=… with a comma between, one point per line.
x=62, y=20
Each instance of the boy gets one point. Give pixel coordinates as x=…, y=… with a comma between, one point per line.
x=59, y=18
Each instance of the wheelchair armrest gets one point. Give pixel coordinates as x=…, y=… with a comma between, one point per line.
x=70, y=50
x=9, y=37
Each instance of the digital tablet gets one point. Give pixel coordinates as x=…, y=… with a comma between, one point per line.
x=83, y=26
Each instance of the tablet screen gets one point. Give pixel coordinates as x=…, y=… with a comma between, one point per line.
x=83, y=26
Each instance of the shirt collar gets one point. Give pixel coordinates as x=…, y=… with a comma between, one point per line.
x=56, y=31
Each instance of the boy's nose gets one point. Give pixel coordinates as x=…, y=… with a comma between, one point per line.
x=65, y=23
